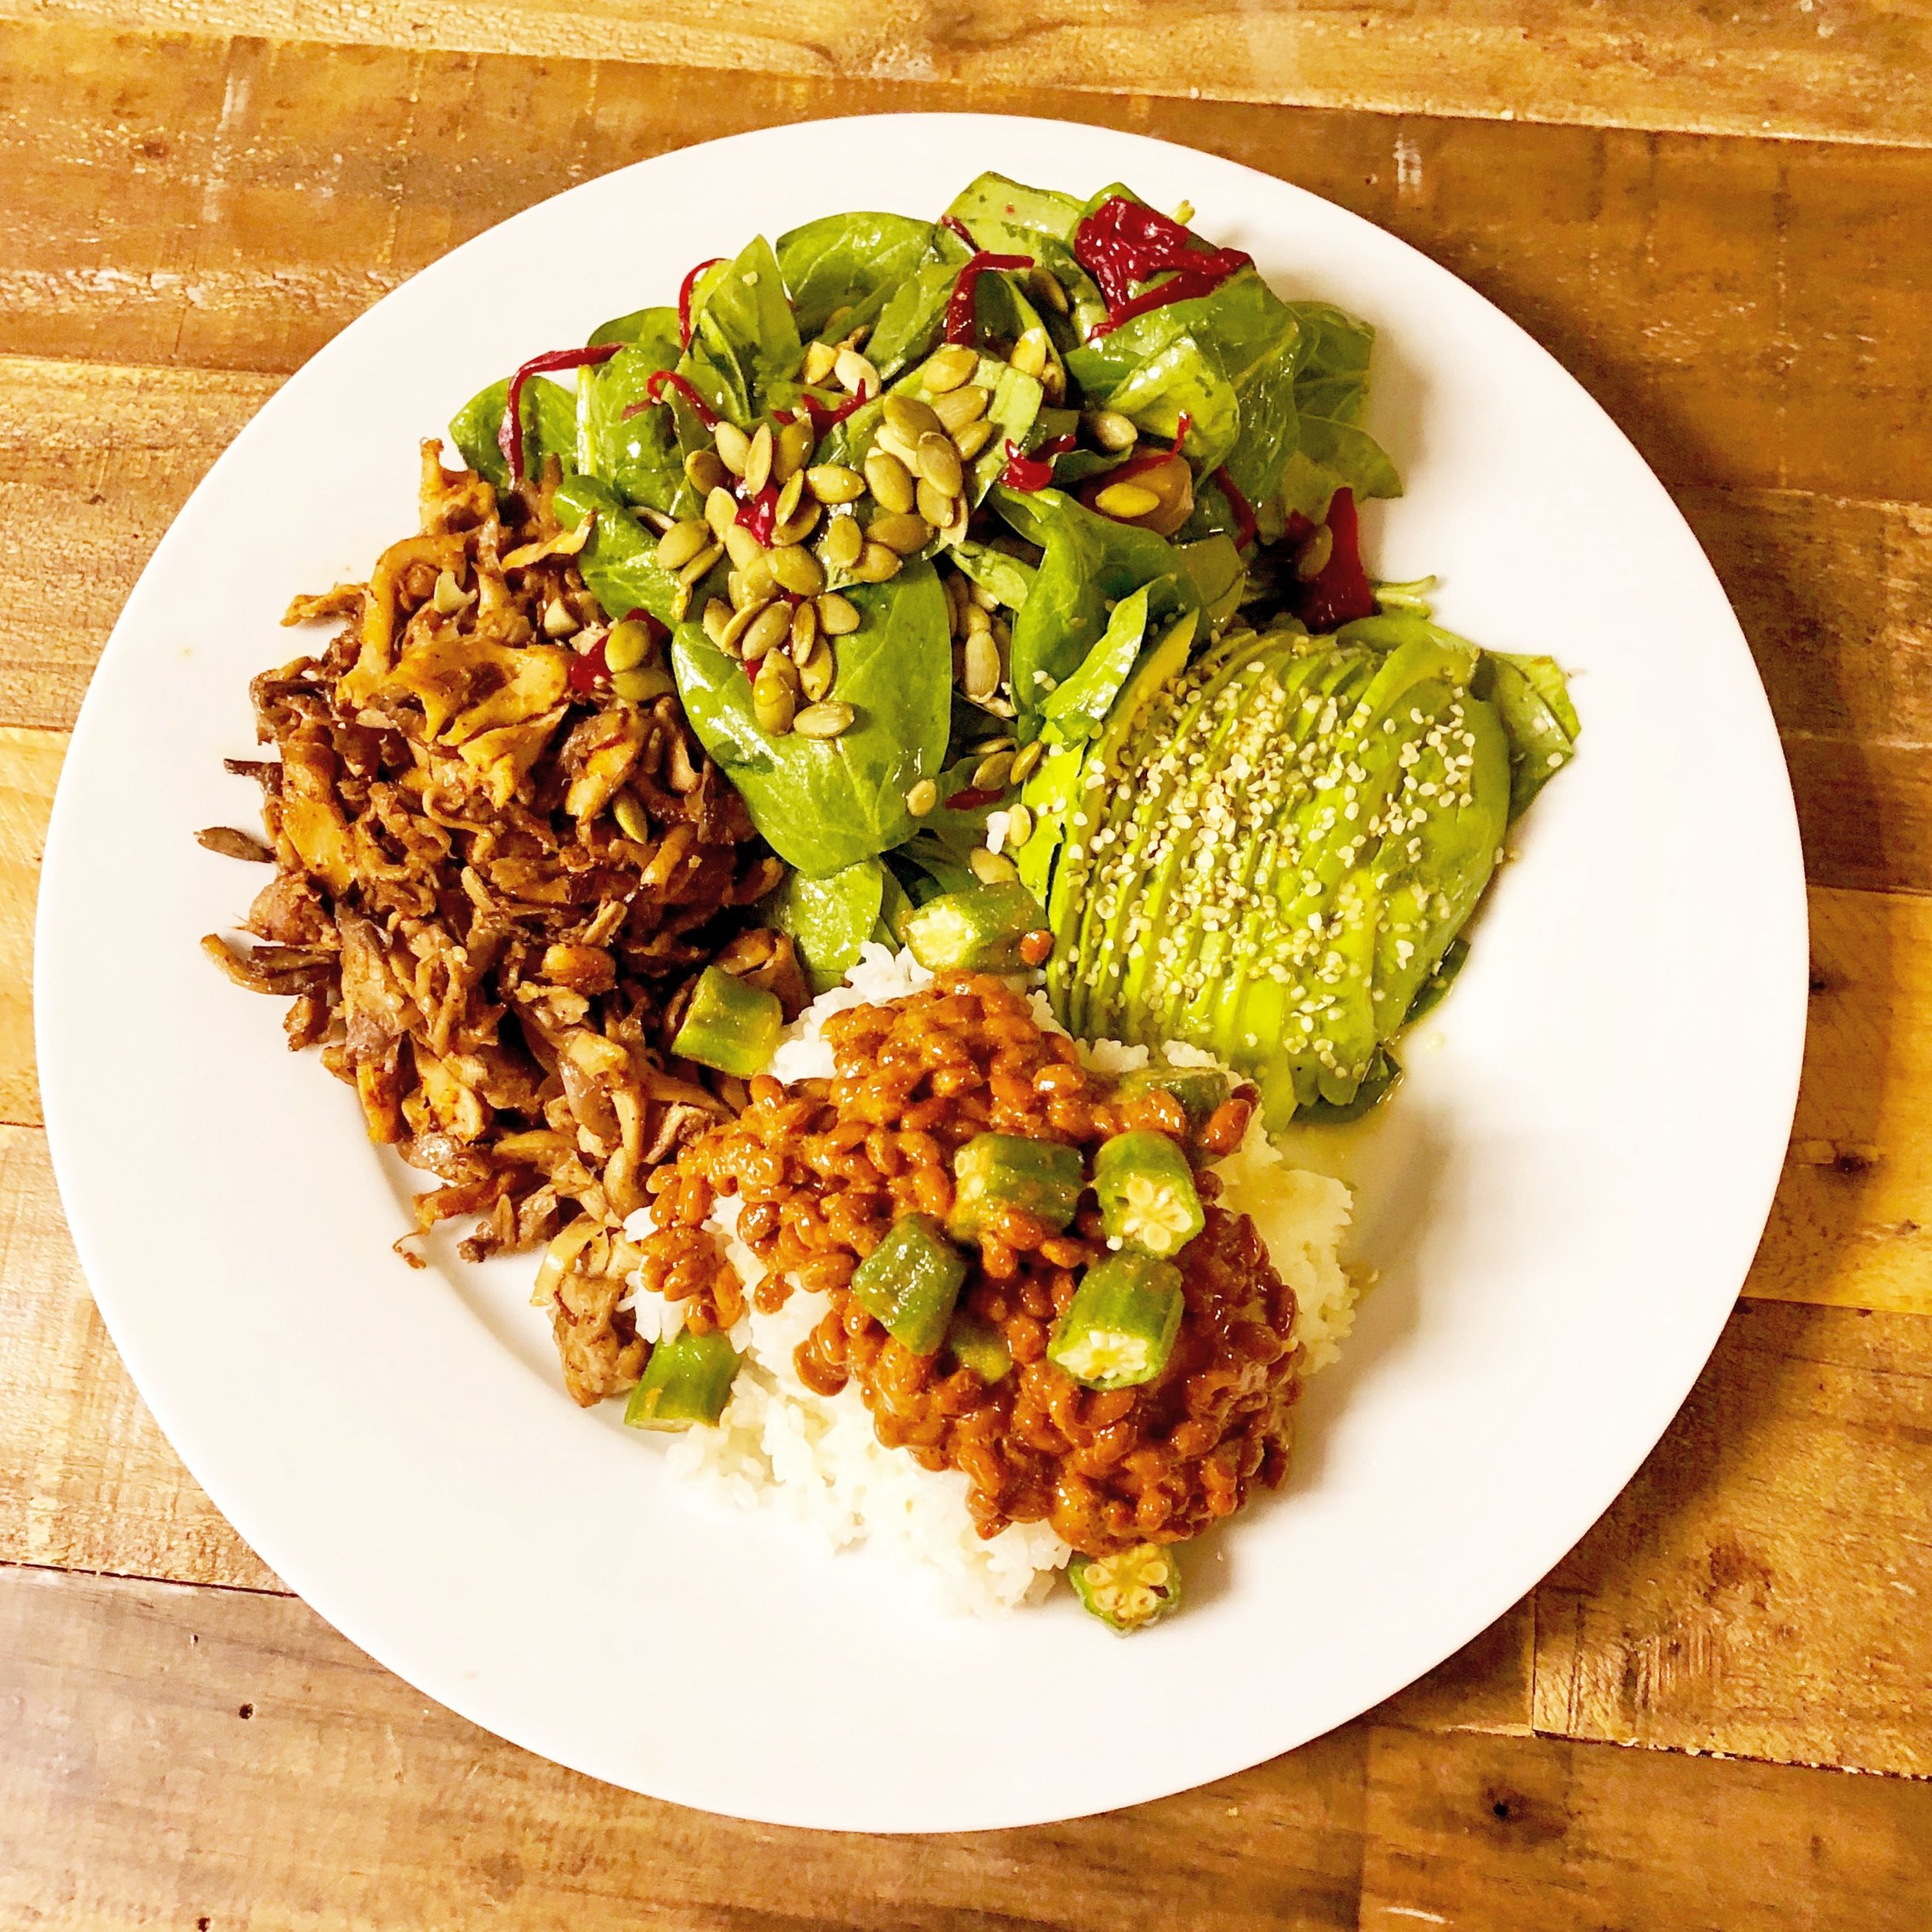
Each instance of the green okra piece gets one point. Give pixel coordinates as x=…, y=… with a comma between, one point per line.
x=730, y=1025
x=910, y=1282
x=978, y=929
x=1130, y=1590
x=1147, y=1194
x=976, y=1344
x=686, y=1382
x=996, y=1170
x=1118, y=1331
x=1200, y=1090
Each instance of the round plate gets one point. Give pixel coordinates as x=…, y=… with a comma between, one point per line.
x=1587, y=1141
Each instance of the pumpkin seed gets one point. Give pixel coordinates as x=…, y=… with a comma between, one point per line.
x=720, y=511
x=991, y=868
x=834, y=483
x=771, y=626
x=790, y=494
x=682, y=542
x=946, y=368
x=1029, y=352
x=717, y=614
x=826, y=721
x=1316, y=549
x=838, y=617
x=909, y=419
x=559, y=620
x=741, y=544
x=1019, y=826
x=939, y=462
x=758, y=460
x=627, y=645
x=794, y=446
x=817, y=672
x=902, y=531
x=1125, y=500
x=774, y=696
x=641, y=685
x=798, y=570
x=990, y=773
x=876, y=564
x=844, y=540
x=1052, y=384
x=797, y=528
x=922, y=798
x=974, y=437
x=805, y=629
x=706, y=472
x=656, y=519
x=760, y=584
x=820, y=358
x=694, y=571
x=978, y=618
x=731, y=639
x=955, y=601
x=856, y=377
x=981, y=678
x=889, y=442
x=1050, y=289
x=734, y=447
x=1112, y=430
x=632, y=820
x=983, y=596
x=890, y=482
x=935, y=506
x=961, y=406
x=1025, y=759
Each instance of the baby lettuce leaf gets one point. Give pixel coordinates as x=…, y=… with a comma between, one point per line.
x=549, y=428
x=824, y=805
x=830, y=919
x=1088, y=561
x=848, y=261
x=913, y=317
x=743, y=340
x=640, y=456
x=619, y=562
x=1073, y=710
x=1331, y=396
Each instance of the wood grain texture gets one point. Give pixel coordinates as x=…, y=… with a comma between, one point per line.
x=1756, y=313
x=1851, y=69
x=1502, y=1835
x=29, y=764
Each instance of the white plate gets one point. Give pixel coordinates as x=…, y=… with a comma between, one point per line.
x=1588, y=1155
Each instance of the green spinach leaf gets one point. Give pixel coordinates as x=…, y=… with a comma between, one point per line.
x=743, y=340
x=619, y=562
x=830, y=919
x=1009, y=578
x=848, y=261
x=1073, y=709
x=549, y=428
x=639, y=456
x=1331, y=395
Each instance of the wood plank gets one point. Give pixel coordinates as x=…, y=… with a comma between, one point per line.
x=29, y=762
x=1760, y=1587
x=251, y=198
x=86, y=1480
x=176, y=1757
x=1833, y=592
x=1856, y=70
x=1533, y=1835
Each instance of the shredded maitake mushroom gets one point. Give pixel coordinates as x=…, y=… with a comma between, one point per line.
x=481, y=950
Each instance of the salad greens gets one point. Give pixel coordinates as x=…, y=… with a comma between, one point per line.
x=1017, y=553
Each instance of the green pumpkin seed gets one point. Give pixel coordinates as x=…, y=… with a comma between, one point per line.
x=983, y=597
x=890, y=482
x=922, y=798
x=981, y=678
x=887, y=444
x=939, y=462
x=706, y=472
x=946, y=368
x=797, y=528
x=978, y=618
x=1112, y=430
x=909, y=419
x=732, y=639
x=632, y=820
x=834, y=483
x=734, y=447
x=844, y=540
x=826, y=720
x=974, y=438
x=798, y=570
x=760, y=583
x=990, y=773
x=902, y=531
x=817, y=672
x=962, y=407
x=774, y=696
x=1030, y=352
x=856, y=377
x=1047, y=288
x=805, y=629
x=717, y=615
x=991, y=868
x=758, y=460
x=936, y=506
x=720, y=511
x=741, y=544
x=1026, y=759
x=627, y=645
x=1316, y=549
x=772, y=625
x=694, y=571
x=794, y=447
x=876, y=564
x=1019, y=826
x=682, y=542
x=642, y=686
x=790, y=493
x=838, y=617
x=820, y=358
x=1125, y=500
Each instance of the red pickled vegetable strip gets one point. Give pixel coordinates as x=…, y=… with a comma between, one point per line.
x=588, y=670
x=509, y=432
x=1244, y=523
x=971, y=800
x=1034, y=472
x=1122, y=244
x=1342, y=591
x=959, y=326
x=822, y=415
x=654, y=391
x=759, y=513
x=1182, y=424
x=684, y=289
x=959, y=229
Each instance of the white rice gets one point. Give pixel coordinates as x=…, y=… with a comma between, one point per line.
x=816, y=1459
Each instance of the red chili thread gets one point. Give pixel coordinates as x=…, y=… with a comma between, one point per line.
x=684, y=289
x=1034, y=472
x=509, y=432
x=1123, y=244
x=759, y=513
x=1244, y=523
x=663, y=379
x=959, y=229
x=960, y=325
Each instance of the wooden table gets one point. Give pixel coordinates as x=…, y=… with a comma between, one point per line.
x=1718, y=220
